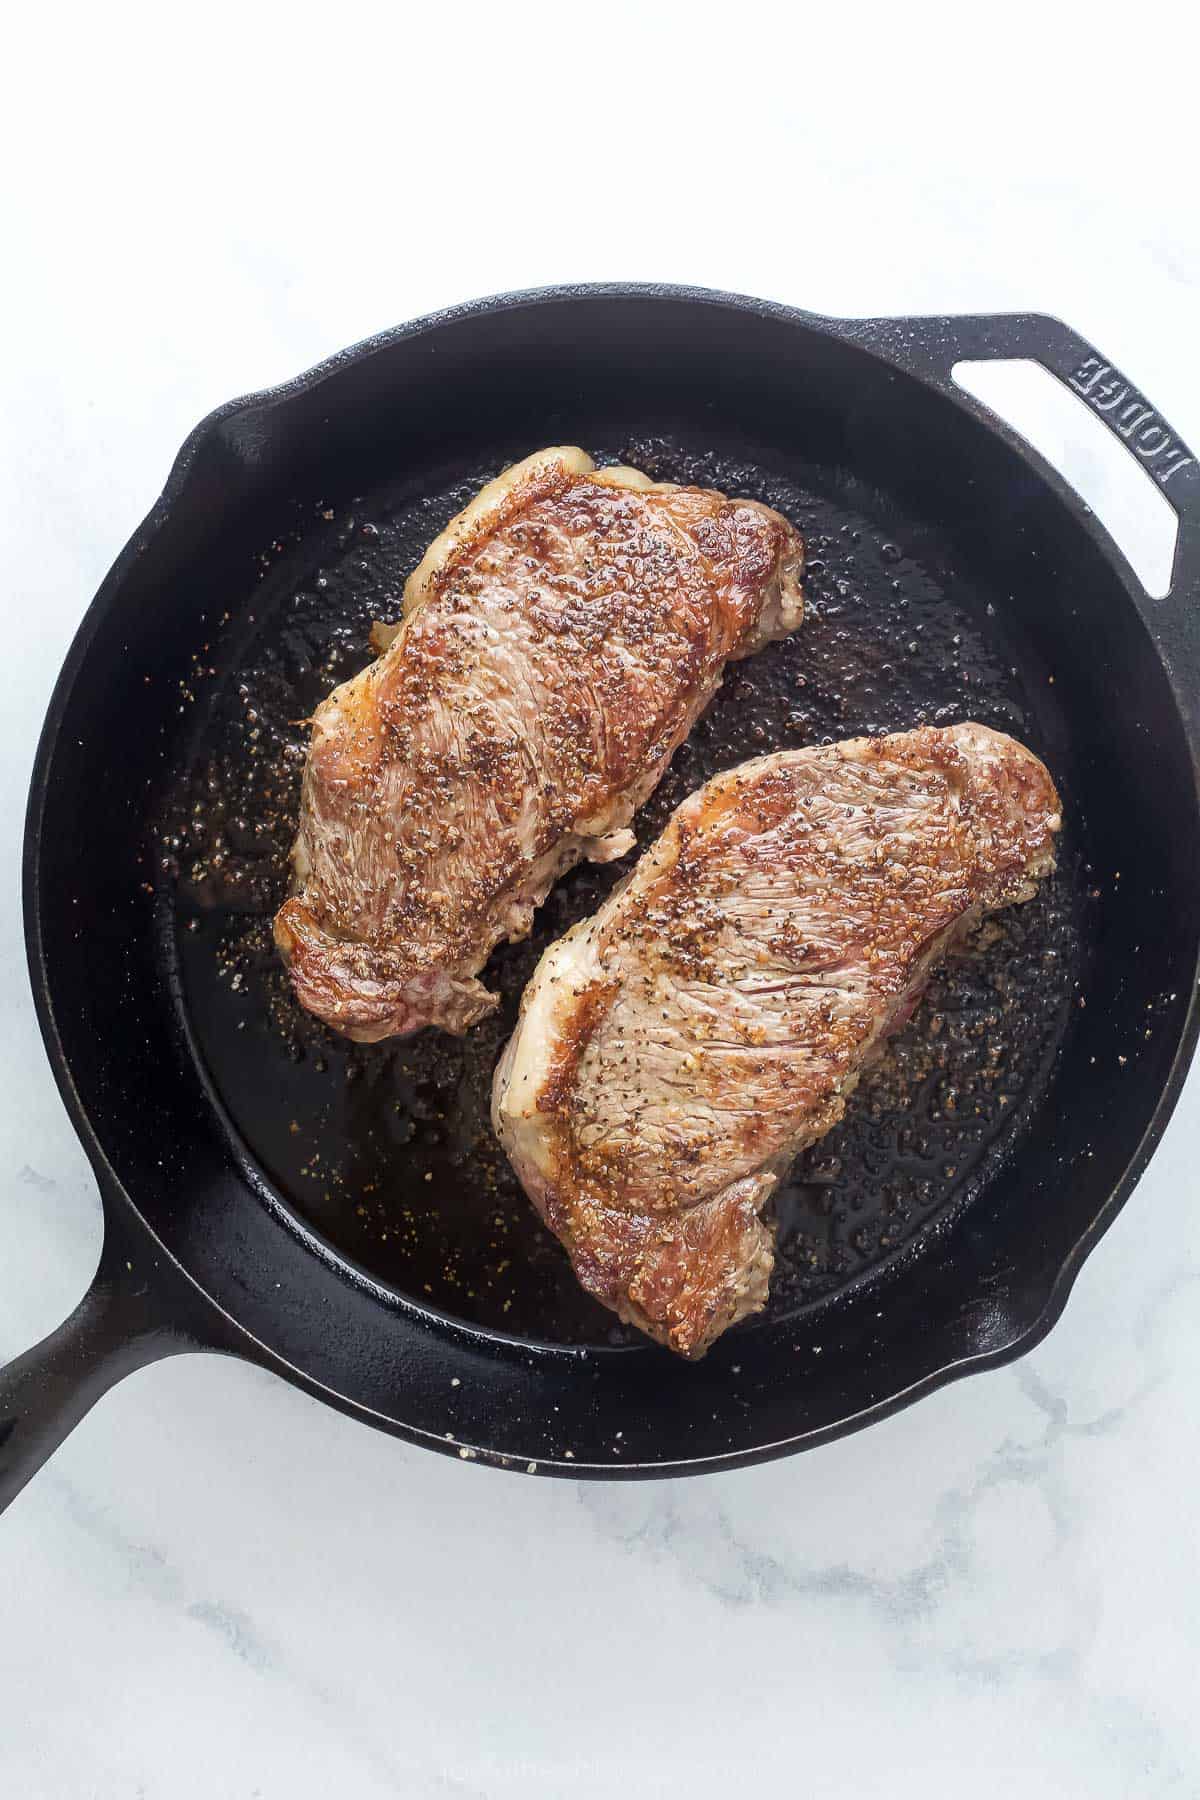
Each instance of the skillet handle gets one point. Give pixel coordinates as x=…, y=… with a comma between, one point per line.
x=118, y=1326
x=930, y=347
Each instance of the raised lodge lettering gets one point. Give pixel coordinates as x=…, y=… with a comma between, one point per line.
x=1129, y=414
x=1088, y=374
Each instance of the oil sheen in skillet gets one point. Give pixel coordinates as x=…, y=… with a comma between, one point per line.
x=387, y=1149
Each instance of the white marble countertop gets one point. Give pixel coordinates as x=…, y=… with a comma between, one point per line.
x=219, y=1588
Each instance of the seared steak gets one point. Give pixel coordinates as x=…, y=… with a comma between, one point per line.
x=676, y=1051
x=558, y=641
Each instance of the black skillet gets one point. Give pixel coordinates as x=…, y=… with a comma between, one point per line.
x=340, y=1215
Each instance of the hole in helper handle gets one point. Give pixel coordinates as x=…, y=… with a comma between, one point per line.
x=118, y=1326
x=930, y=348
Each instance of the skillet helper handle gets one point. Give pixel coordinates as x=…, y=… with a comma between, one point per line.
x=117, y=1327
x=930, y=348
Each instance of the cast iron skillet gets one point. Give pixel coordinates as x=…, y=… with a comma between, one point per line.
x=340, y=1215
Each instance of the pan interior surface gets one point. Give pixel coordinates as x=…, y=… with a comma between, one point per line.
x=386, y=1150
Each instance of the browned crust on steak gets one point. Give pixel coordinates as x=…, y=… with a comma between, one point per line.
x=559, y=639
x=676, y=1051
